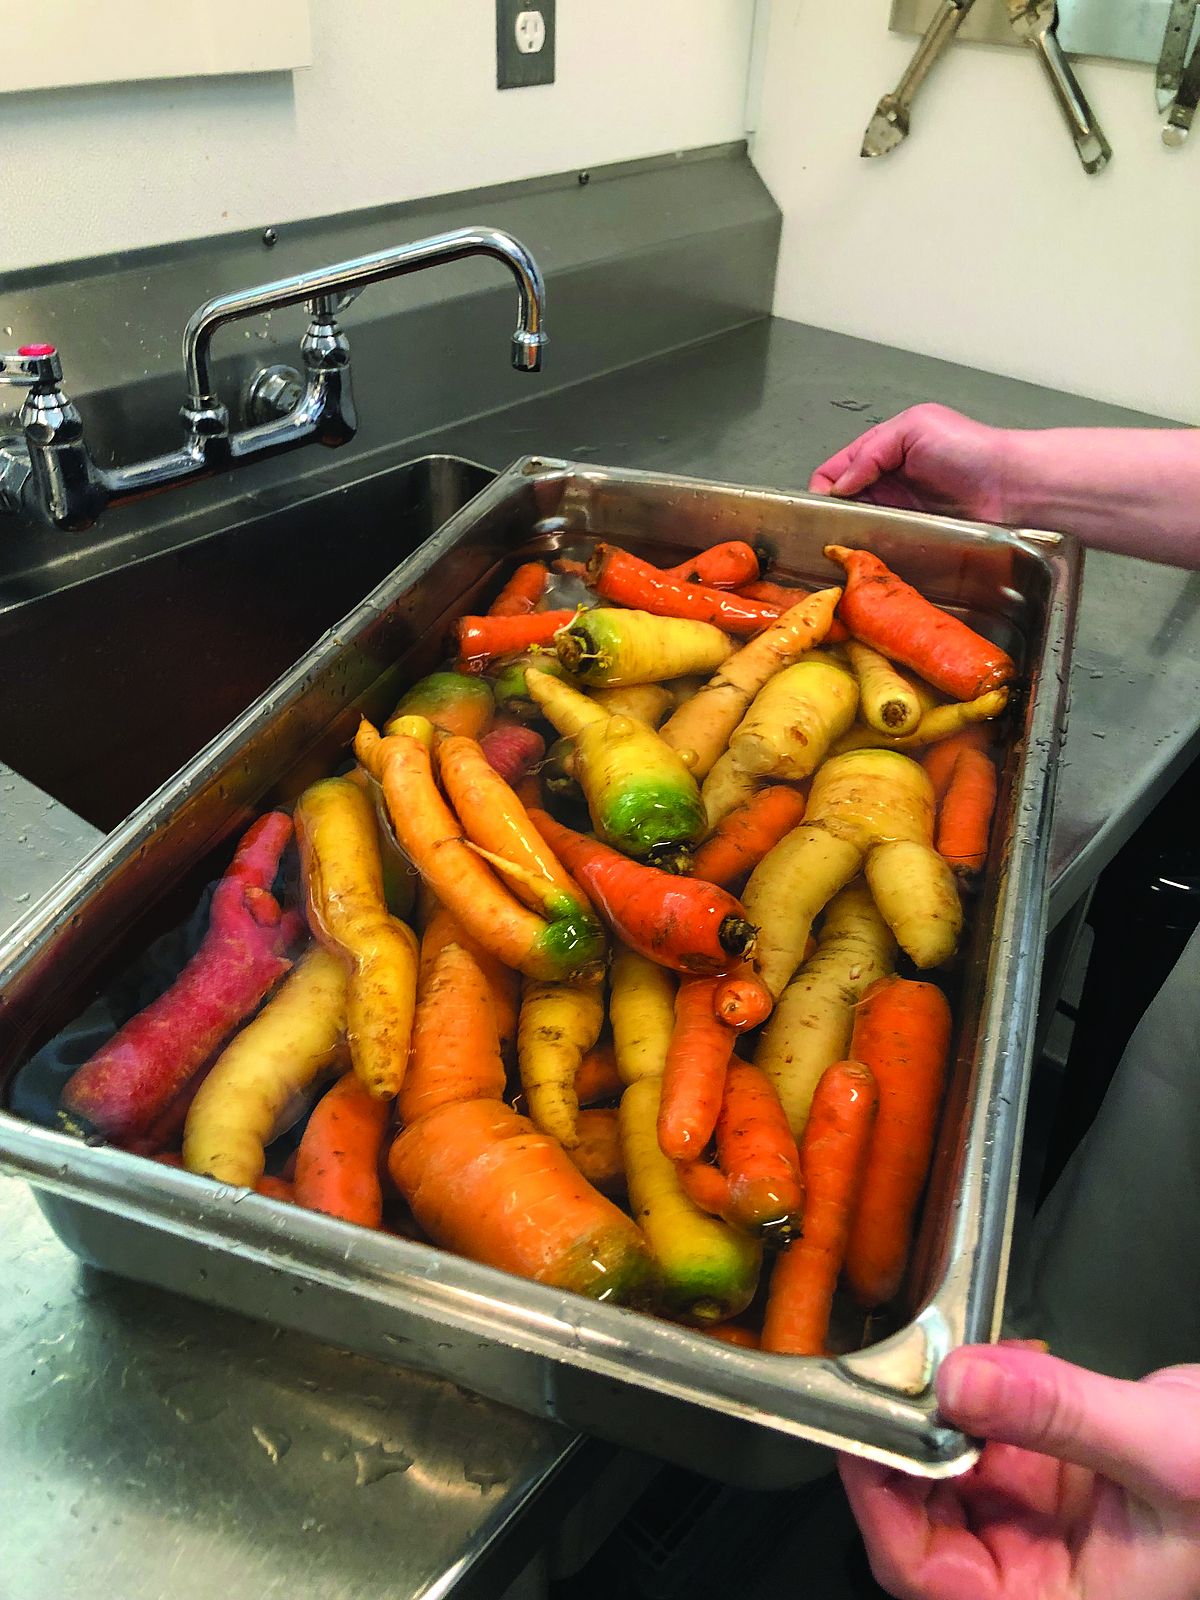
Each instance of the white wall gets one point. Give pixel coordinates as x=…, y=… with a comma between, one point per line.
x=981, y=239
x=400, y=102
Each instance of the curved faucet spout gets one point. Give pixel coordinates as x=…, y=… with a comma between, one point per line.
x=349, y=276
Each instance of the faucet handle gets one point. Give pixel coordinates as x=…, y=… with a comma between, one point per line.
x=33, y=365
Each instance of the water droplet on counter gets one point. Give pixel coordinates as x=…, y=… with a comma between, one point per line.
x=274, y=1441
x=21, y=898
x=378, y=1461
x=1099, y=733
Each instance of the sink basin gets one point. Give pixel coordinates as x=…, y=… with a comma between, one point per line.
x=110, y=684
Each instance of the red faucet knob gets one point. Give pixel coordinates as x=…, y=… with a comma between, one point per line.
x=37, y=350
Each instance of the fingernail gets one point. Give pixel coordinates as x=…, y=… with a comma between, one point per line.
x=971, y=1390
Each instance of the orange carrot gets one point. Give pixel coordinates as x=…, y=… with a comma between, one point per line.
x=598, y=1152
x=441, y=929
x=616, y=575
x=721, y=566
x=706, y=1187
x=479, y=639
x=939, y=759
x=965, y=815
x=742, y=999
x=694, y=1074
x=483, y=1181
x=681, y=923
x=522, y=591
x=734, y=1333
x=742, y=838
x=455, y=1047
x=276, y=1188
x=757, y=1153
x=902, y=1033
x=776, y=594
x=833, y=1159
x=890, y=615
x=337, y=1167
x=597, y=1078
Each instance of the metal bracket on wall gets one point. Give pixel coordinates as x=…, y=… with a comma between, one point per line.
x=1115, y=30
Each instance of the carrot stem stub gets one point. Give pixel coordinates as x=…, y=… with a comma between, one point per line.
x=894, y=618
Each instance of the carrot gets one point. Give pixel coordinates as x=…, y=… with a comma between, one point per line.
x=522, y=591
x=902, y=1034
x=871, y=797
x=455, y=1046
x=780, y=595
x=706, y=1187
x=648, y=702
x=694, y=1076
x=937, y=722
x=703, y=724
x=833, y=1160
x=734, y=1333
x=559, y=1024
x=795, y=717
x=483, y=1181
x=742, y=838
x=431, y=835
x=597, y=1151
x=135, y=1077
x=741, y=999
x=641, y=1008
x=276, y=1188
x=891, y=616
x=510, y=689
x=726, y=787
x=598, y=1077
x=721, y=566
x=965, y=817
x=616, y=575
x=678, y=922
x=479, y=640
x=787, y=890
x=617, y=648
x=888, y=701
x=939, y=759
x=918, y=898
x=493, y=817
x=513, y=750
x=295, y=1037
x=337, y=1167
x=441, y=929
x=454, y=702
x=757, y=1154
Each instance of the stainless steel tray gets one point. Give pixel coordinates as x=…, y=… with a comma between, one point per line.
x=739, y=1415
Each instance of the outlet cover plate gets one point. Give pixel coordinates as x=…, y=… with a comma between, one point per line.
x=515, y=69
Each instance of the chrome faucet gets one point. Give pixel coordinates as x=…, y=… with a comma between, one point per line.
x=47, y=471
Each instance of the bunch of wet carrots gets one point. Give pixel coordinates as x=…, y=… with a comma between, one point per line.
x=644, y=1036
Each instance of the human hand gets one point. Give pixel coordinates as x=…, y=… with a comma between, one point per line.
x=929, y=458
x=1089, y=1488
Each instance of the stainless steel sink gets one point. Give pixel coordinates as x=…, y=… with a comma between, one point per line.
x=108, y=685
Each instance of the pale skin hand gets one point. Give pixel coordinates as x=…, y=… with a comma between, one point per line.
x=1135, y=491
x=1089, y=1488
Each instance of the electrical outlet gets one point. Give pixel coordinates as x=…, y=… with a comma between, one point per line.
x=524, y=43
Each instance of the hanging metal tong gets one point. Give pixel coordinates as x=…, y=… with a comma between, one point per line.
x=889, y=126
x=1034, y=22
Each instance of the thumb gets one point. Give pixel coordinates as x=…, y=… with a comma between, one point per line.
x=1144, y=1436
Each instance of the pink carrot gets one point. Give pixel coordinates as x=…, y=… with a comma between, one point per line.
x=513, y=750
x=125, y=1088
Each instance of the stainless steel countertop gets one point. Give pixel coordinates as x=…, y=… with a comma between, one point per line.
x=166, y=1450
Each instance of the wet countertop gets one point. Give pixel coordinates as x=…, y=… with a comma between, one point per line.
x=165, y=1449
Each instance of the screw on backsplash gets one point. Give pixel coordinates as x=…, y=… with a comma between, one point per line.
x=270, y=237
x=584, y=179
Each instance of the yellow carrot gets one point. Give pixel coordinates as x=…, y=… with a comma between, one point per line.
x=887, y=700
x=648, y=702
x=704, y=723
x=938, y=723
x=642, y=1010
x=787, y=889
x=872, y=797
x=795, y=717
x=618, y=646
x=726, y=787
x=917, y=894
x=559, y=1023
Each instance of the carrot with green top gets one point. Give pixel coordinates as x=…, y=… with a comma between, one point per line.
x=681, y=923
x=721, y=566
x=757, y=1183
x=493, y=817
x=694, y=1077
x=965, y=815
x=522, y=591
x=704, y=723
x=462, y=881
x=902, y=1033
x=455, y=1045
x=455, y=702
x=709, y=1270
x=479, y=640
x=617, y=575
x=337, y=1166
x=483, y=1181
x=833, y=1164
x=894, y=618
x=742, y=838
x=512, y=692
x=640, y=794
x=611, y=649
x=558, y=1025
